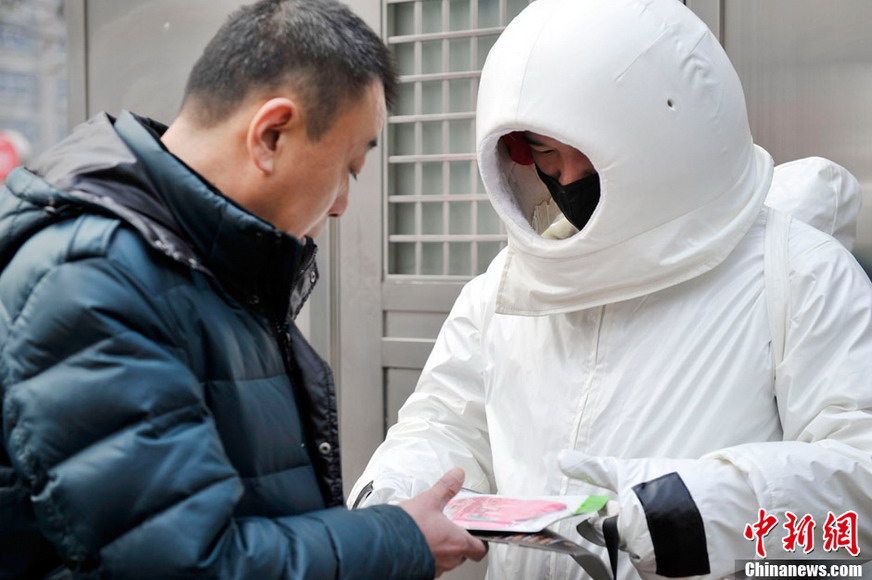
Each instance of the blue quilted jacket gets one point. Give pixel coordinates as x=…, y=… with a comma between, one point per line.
x=162, y=416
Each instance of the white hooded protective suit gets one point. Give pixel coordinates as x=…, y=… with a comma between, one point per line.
x=643, y=340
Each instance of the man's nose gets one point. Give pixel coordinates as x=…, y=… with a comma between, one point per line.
x=574, y=168
x=340, y=205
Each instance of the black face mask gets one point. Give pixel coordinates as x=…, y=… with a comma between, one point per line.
x=576, y=200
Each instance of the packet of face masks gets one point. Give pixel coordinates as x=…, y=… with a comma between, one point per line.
x=522, y=521
x=486, y=512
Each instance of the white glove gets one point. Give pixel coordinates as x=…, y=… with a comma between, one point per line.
x=663, y=503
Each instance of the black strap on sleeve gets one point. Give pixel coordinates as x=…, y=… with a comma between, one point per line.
x=675, y=525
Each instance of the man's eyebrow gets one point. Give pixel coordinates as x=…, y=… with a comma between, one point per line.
x=532, y=141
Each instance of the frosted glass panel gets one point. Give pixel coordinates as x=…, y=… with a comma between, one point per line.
x=403, y=218
x=460, y=15
x=431, y=12
x=460, y=96
x=431, y=98
x=431, y=57
x=485, y=43
x=487, y=251
x=460, y=261
x=431, y=259
x=461, y=174
x=488, y=13
x=401, y=139
x=405, y=102
x=431, y=218
x=488, y=221
x=431, y=138
x=405, y=57
x=402, y=257
x=401, y=20
x=401, y=179
x=461, y=137
x=460, y=219
x=459, y=55
x=431, y=178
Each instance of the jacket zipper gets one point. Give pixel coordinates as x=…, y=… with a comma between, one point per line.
x=283, y=338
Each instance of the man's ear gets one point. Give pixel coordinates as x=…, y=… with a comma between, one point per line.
x=275, y=120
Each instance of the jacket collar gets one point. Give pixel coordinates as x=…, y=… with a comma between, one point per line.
x=260, y=264
x=120, y=167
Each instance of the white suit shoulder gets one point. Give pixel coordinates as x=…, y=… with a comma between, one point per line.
x=815, y=257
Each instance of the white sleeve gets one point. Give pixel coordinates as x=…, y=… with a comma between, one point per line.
x=687, y=517
x=443, y=423
x=824, y=396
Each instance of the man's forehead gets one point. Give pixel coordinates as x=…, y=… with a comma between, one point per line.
x=376, y=95
x=361, y=122
x=538, y=140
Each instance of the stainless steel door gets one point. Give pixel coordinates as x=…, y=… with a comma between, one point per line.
x=806, y=67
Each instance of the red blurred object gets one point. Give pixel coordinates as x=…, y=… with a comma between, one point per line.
x=519, y=149
x=9, y=158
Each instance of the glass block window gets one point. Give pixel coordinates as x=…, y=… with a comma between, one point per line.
x=440, y=223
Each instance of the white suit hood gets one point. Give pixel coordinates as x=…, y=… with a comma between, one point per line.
x=646, y=92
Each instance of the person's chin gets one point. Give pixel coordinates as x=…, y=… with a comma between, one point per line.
x=317, y=229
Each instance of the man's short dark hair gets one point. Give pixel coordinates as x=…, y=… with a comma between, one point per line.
x=320, y=48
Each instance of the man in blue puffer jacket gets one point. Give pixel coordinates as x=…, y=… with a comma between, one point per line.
x=162, y=416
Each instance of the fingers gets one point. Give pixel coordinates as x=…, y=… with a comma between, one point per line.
x=451, y=544
x=474, y=549
x=455, y=547
x=447, y=487
x=598, y=471
x=477, y=550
